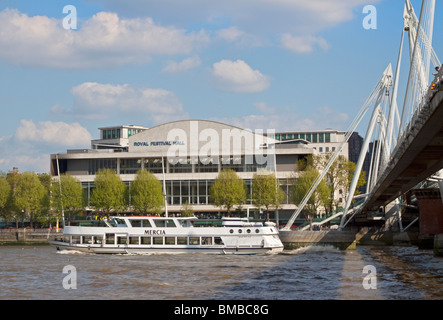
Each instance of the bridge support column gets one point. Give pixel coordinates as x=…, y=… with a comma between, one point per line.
x=438, y=245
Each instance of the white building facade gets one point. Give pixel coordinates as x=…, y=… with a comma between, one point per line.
x=188, y=156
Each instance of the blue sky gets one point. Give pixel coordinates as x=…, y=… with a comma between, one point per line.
x=262, y=64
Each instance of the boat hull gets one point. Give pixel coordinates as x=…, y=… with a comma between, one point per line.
x=243, y=250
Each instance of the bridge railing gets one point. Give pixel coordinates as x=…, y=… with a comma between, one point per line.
x=424, y=104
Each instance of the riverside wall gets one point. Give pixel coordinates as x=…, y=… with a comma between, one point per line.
x=27, y=237
x=347, y=240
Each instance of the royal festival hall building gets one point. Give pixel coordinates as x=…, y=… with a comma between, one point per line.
x=188, y=156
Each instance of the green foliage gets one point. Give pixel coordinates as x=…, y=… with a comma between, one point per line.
x=228, y=190
x=29, y=194
x=266, y=191
x=187, y=210
x=321, y=196
x=5, y=190
x=339, y=176
x=67, y=195
x=147, y=193
x=109, y=192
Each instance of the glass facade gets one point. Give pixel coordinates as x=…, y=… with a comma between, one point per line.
x=313, y=137
x=195, y=192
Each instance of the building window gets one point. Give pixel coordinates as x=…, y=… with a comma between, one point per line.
x=308, y=137
x=321, y=137
x=320, y=149
x=154, y=165
x=181, y=166
x=130, y=166
x=327, y=149
x=327, y=137
x=208, y=164
x=96, y=165
x=314, y=138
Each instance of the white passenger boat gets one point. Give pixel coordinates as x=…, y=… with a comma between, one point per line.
x=141, y=235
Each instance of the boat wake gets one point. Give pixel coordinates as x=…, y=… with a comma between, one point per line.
x=309, y=249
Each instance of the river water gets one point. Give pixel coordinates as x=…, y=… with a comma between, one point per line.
x=306, y=273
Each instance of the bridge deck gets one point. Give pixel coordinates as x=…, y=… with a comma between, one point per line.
x=417, y=157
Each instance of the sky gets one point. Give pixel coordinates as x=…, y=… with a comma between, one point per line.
x=289, y=65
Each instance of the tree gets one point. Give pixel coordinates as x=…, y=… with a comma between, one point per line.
x=319, y=198
x=43, y=214
x=29, y=194
x=187, y=210
x=350, y=169
x=266, y=192
x=228, y=190
x=109, y=192
x=5, y=192
x=147, y=193
x=338, y=177
x=11, y=210
x=67, y=195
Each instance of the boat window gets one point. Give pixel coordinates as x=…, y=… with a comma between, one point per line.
x=87, y=239
x=136, y=223
x=133, y=240
x=231, y=231
x=182, y=240
x=109, y=238
x=146, y=240
x=66, y=239
x=218, y=241
x=146, y=224
x=120, y=223
x=75, y=239
x=257, y=231
x=169, y=240
x=122, y=240
x=194, y=240
x=240, y=230
x=164, y=223
x=97, y=239
x=206, y=241
x=184, y=223
x=157, y=240
x=248, y=231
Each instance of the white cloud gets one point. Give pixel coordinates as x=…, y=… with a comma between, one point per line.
x=100, y=101
x=303, y=44
x=60, y=133
x=230, y=34
x=285, y=119
x=183, y=66
x=30, y=146
x=103, y=40
x=238, y=76
x=259, y=17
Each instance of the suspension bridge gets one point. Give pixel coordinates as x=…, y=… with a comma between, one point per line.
x=407, y=136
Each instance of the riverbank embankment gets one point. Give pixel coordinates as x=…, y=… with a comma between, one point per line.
x=27, y=237
x=347, y=239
